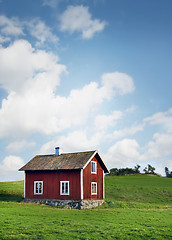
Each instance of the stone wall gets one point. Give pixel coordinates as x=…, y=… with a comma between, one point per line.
x=82, y=204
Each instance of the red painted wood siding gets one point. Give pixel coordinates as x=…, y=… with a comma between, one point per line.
x=89, y=177
x=51, y=184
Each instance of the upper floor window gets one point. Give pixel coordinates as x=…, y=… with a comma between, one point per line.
x=64, y=187
x=93, y=167
x=38, y=187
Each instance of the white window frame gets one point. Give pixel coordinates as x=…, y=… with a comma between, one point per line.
x=93, y=183
x=39, y=193
x=94, y=163
x=64, y=193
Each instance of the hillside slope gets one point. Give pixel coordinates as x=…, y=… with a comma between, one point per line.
x=11, y=191
x=141, y=188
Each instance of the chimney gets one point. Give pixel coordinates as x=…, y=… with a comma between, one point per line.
x=57, y=151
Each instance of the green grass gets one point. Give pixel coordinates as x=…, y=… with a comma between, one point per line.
x=142, y=209
x=140, y=189
x=11, y=191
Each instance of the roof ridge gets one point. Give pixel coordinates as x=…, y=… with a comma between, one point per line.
x=79, y=152
x=42, y=155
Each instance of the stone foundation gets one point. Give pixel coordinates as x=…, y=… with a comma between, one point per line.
x=82, y=204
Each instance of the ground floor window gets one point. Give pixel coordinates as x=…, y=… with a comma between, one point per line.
x=94, y=188
x=38, y=187
x=64, y=187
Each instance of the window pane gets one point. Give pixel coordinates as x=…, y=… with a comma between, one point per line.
x=93, y=167
x=66, y=187
x=36, y=187
x=62, y=187
x=40, y=187
x=93, y=188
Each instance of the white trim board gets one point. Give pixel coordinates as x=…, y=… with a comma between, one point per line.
x=24, y=184
x=81, y=182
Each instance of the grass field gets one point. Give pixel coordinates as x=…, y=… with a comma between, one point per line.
x=142, y=209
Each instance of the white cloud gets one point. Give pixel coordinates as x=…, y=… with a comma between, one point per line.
x=103, y=121
x=74, y=141
x=28, y=68
x=16, y=27
x=11, y=163
x=117, y=83
x=41, y=32
x=160, y=147
x=18, y=146
x=17, y=68
x=128, y=131
x=9, y=168
x=164, y=119
x=78, y=19
x=124, y=153
x=31, y=79
x=11, y=27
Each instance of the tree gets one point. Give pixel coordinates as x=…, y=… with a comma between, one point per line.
x=149, y=169
x=114, y=172
x=136, y=168
x=145, y=170
x=168, y=173
x=124, y=171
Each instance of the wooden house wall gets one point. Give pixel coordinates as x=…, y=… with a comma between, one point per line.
x=51, y=184
x=89, y=177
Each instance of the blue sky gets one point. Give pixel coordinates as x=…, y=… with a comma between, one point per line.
x=86, y=75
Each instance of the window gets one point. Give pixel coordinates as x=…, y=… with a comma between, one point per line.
x=38, y=187
x=93, y=167
x=64, y=187
x=93, y=188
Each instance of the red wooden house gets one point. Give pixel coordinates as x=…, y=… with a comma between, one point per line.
x=69, y=176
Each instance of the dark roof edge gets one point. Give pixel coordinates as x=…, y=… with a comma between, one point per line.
x=61, y=169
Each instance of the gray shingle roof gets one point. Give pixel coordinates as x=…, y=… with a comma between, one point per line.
x=66, y=161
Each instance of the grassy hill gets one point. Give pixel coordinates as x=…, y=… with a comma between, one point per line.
x=144, y=189
x=11, y=191
x=142, y=209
